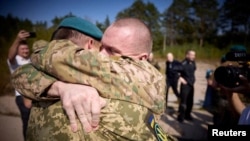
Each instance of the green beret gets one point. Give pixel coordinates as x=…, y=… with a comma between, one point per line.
x=82, y=26
x=238, y=48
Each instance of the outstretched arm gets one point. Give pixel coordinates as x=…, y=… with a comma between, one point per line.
x=32, y=83
x=83, y=101
x=63, y=61
x=78, y=100
x=69, y=63
x=22, y=35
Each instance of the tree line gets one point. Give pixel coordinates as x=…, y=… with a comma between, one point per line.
x=204, y=23
x=216, y=22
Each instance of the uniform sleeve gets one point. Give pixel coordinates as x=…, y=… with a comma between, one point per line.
x=117, y=79
x=69, y=63
x=32, y=83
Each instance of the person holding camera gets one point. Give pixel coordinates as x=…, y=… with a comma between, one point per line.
x=216, y=102
x=234, y=98
x=87, y=71
x=236, y=73
x=19, y=54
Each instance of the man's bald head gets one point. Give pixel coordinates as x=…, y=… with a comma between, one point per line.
x=140, y=34
x=170, y=57
x=130, y=36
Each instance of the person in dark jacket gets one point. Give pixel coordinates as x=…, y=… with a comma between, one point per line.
x=173, y=69
x=187, y=86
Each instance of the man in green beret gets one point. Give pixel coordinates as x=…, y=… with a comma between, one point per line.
x=133, y=89
x=80, y=32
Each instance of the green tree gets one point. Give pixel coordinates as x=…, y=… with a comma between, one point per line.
x=57, y=20
x=177, y=22
x=205, y=15
x=104, y=25
x=42, y=30
x=234, y=20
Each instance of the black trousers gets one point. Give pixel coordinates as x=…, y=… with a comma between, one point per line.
x=174, y=85
x=186, y=101
x=25, y=113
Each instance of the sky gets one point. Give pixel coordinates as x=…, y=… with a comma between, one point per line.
x=93, y=10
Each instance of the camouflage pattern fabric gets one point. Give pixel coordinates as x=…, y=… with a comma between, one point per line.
x=120, y=120
x=131, y=87
x=118, y=78
x=32, y=83
x=39, y=45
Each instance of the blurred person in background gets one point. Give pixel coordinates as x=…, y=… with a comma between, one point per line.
x=110, y=48
x=152, y=61
x=237, y=95
x=19, y=54
x=173, y=70
x=187, y=86
x=216, y=101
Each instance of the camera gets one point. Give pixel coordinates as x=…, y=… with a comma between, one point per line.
x=32, y=35
x=228, y=76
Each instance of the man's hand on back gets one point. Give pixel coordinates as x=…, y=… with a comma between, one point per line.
x=81, y=100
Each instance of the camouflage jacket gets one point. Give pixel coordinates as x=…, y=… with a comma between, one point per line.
x=132, y=88
x=117, y=77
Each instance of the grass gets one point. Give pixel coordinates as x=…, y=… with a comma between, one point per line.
x=5, y=85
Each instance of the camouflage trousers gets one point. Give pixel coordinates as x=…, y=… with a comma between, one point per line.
x=120, y=120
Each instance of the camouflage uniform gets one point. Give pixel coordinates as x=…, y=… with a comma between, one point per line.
x=134, y=91
x=39, y=45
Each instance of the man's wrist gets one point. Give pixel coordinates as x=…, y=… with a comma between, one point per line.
x=54, y=90
x=18, y=39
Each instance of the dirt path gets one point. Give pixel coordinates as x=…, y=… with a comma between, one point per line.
x=10, y=126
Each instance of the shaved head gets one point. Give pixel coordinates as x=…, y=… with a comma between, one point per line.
x=170, y=57
x=130, y=36
x=141, y=39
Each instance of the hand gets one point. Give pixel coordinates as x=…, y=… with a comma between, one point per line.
x=224, y=91
x=183, y=81
x=27, y=102
x=244, y=87
x=22, y=35
x=83, y=101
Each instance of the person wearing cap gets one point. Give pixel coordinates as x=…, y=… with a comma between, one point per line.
x=216, y=101
x=79, y=31
x=125, y=90
x=237, y=96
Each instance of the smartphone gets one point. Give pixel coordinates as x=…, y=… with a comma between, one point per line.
x=32, y=34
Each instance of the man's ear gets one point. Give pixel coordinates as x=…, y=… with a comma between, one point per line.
x=143, y=56
x=90, y=44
